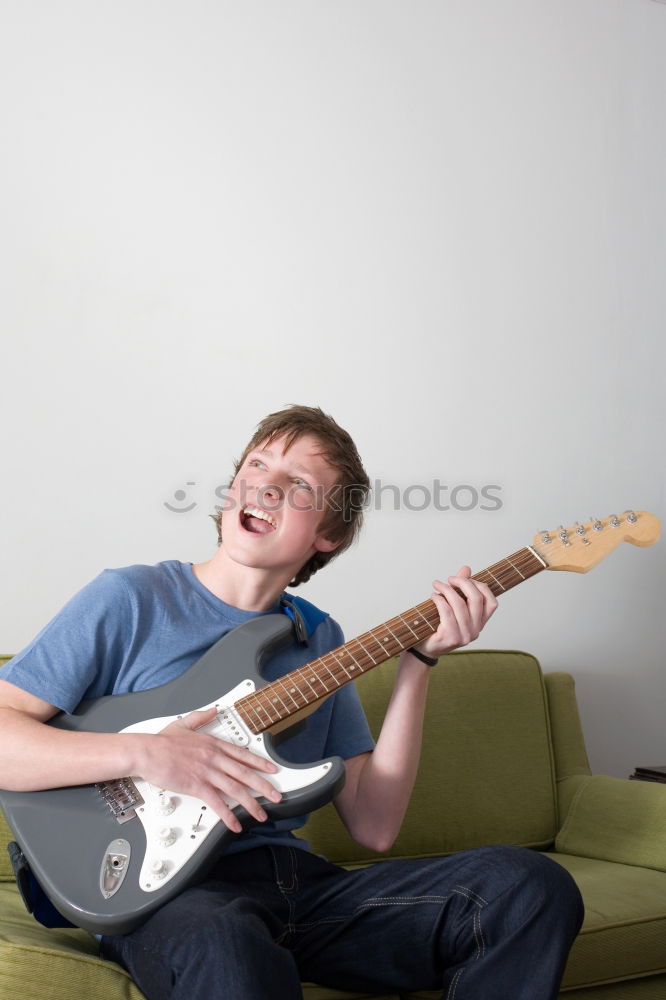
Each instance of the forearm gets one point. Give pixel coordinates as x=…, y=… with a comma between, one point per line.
x=35, y=756
x=377, y=802
x=181, y=757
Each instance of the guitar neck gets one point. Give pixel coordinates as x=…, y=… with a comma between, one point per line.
x=299, y=692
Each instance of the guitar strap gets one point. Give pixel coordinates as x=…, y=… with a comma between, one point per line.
x=305, y=616
x=36, y=901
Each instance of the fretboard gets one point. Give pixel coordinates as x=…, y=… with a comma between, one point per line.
x=301, y=689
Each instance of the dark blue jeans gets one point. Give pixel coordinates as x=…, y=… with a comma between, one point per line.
x=493, y=923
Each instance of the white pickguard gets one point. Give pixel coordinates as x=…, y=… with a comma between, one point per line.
x=176, y=825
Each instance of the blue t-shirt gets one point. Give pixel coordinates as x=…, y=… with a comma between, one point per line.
x=135, y=628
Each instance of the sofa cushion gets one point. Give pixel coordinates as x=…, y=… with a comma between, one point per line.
x=6, y=873
x=40, y=964
x=486, y=772
x=624, y=929
x=613, y=819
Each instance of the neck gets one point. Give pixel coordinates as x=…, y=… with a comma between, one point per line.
x=242, y=587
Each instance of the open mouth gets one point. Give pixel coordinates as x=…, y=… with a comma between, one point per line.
x=257, y=521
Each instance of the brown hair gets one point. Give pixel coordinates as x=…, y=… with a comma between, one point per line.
x=345, y=502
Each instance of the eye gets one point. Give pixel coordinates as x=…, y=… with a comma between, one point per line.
x=303, y=484
x=255, y=462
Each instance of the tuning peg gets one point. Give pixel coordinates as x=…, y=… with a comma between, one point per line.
x=631, y=517
x=614, y=521
x=597, y=526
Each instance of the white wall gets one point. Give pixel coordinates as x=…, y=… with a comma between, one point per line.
x=441, y=221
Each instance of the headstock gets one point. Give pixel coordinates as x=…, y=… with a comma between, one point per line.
x=579, y=548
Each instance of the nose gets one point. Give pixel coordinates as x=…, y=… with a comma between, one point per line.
x=269, y=496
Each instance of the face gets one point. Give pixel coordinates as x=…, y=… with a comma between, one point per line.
x=274, y=513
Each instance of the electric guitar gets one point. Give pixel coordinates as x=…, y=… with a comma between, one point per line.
x=109, y=855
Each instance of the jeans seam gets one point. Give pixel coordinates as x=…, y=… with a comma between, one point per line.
x=479, y=902
x=453, y=986
x=287, y=893
x=471, y=895
x=400, y=900
x=318, y=923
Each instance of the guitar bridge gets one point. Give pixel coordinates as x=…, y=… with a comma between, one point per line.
x=121, y=796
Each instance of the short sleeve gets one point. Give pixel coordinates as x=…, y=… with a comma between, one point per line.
x=80, y=650
x=349, y=733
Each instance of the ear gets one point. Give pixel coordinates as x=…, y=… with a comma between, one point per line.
x=322, y=544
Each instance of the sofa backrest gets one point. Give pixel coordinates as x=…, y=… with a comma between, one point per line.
x=487, y=771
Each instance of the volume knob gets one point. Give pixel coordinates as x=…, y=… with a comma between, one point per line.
x=158, y=869
x=165, y=805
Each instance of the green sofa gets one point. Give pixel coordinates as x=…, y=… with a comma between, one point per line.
x=504, y=762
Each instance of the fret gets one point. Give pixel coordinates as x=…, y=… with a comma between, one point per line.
x=299, y=690
x=323, y=660
x=260, y=704
x=505, y=573
x=494, y=578
x=348, y=650
x=367, y=641
x=266, y=707
x=273, y=689
x=513, y=570
x=381, y=645
x=310, y=685
x=426, y=610
x=385, y=644
x=521, y=575
x=288, y=692
x=416, y=636
x=367, y=651
x=257, y=703
x=244, y=707
x=312, y=676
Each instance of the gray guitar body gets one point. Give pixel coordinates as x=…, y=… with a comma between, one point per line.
x=109, y=871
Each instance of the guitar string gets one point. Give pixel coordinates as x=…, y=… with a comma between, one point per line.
x=523, y=560
x=268, y=706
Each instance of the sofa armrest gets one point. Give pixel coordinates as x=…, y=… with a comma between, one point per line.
x=566, y=731
x=614, y=819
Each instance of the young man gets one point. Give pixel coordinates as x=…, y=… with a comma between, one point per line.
x=485, y=924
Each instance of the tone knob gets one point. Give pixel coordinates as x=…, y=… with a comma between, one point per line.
x=166, y=836
x=158, y=869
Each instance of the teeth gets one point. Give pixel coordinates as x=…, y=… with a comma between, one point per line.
x=257, y=512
